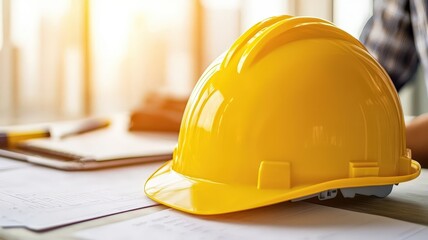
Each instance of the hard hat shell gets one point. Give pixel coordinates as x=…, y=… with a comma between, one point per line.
x=295, y=107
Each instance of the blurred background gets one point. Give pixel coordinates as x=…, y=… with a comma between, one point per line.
x=66, y=59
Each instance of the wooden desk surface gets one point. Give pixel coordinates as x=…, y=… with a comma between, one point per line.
x=408, y=202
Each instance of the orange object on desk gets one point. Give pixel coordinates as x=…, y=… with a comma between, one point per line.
x=158, y=113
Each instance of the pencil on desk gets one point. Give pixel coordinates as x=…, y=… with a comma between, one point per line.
x=86, y=126
x=10, y=139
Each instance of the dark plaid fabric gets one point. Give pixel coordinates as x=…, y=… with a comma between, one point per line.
x=397, y=36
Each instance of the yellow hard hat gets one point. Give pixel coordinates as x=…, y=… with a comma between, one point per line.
x=296, y=108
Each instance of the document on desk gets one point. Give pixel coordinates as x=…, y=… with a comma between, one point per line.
x=281, y=221
x=41, y=198
x=8, y=164
x=108, y=144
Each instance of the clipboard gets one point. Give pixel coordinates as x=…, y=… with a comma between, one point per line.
x=75, y=165
x=107, y=147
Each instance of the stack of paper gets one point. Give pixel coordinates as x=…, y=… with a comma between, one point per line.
x=8, y=164
x=282, y=221
x=41, y=198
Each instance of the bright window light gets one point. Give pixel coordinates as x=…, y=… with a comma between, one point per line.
x=1, y=25
x=351, y=15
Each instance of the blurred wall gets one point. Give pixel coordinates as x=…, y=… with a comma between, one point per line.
x=62, y=59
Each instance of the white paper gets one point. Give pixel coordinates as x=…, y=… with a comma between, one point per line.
x=110, y=144
x=41, y=198
x=7, y=164
x=282, y=221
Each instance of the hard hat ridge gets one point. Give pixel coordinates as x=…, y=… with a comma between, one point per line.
x=296, y=108
x=272, y=32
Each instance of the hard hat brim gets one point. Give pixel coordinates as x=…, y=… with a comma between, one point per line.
x=198, y=196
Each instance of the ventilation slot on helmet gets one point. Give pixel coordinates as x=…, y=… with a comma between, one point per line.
x=405, y=163
x=274, y=175
x=363, y=169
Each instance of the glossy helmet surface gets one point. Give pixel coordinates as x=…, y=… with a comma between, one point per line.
x=295, y=107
